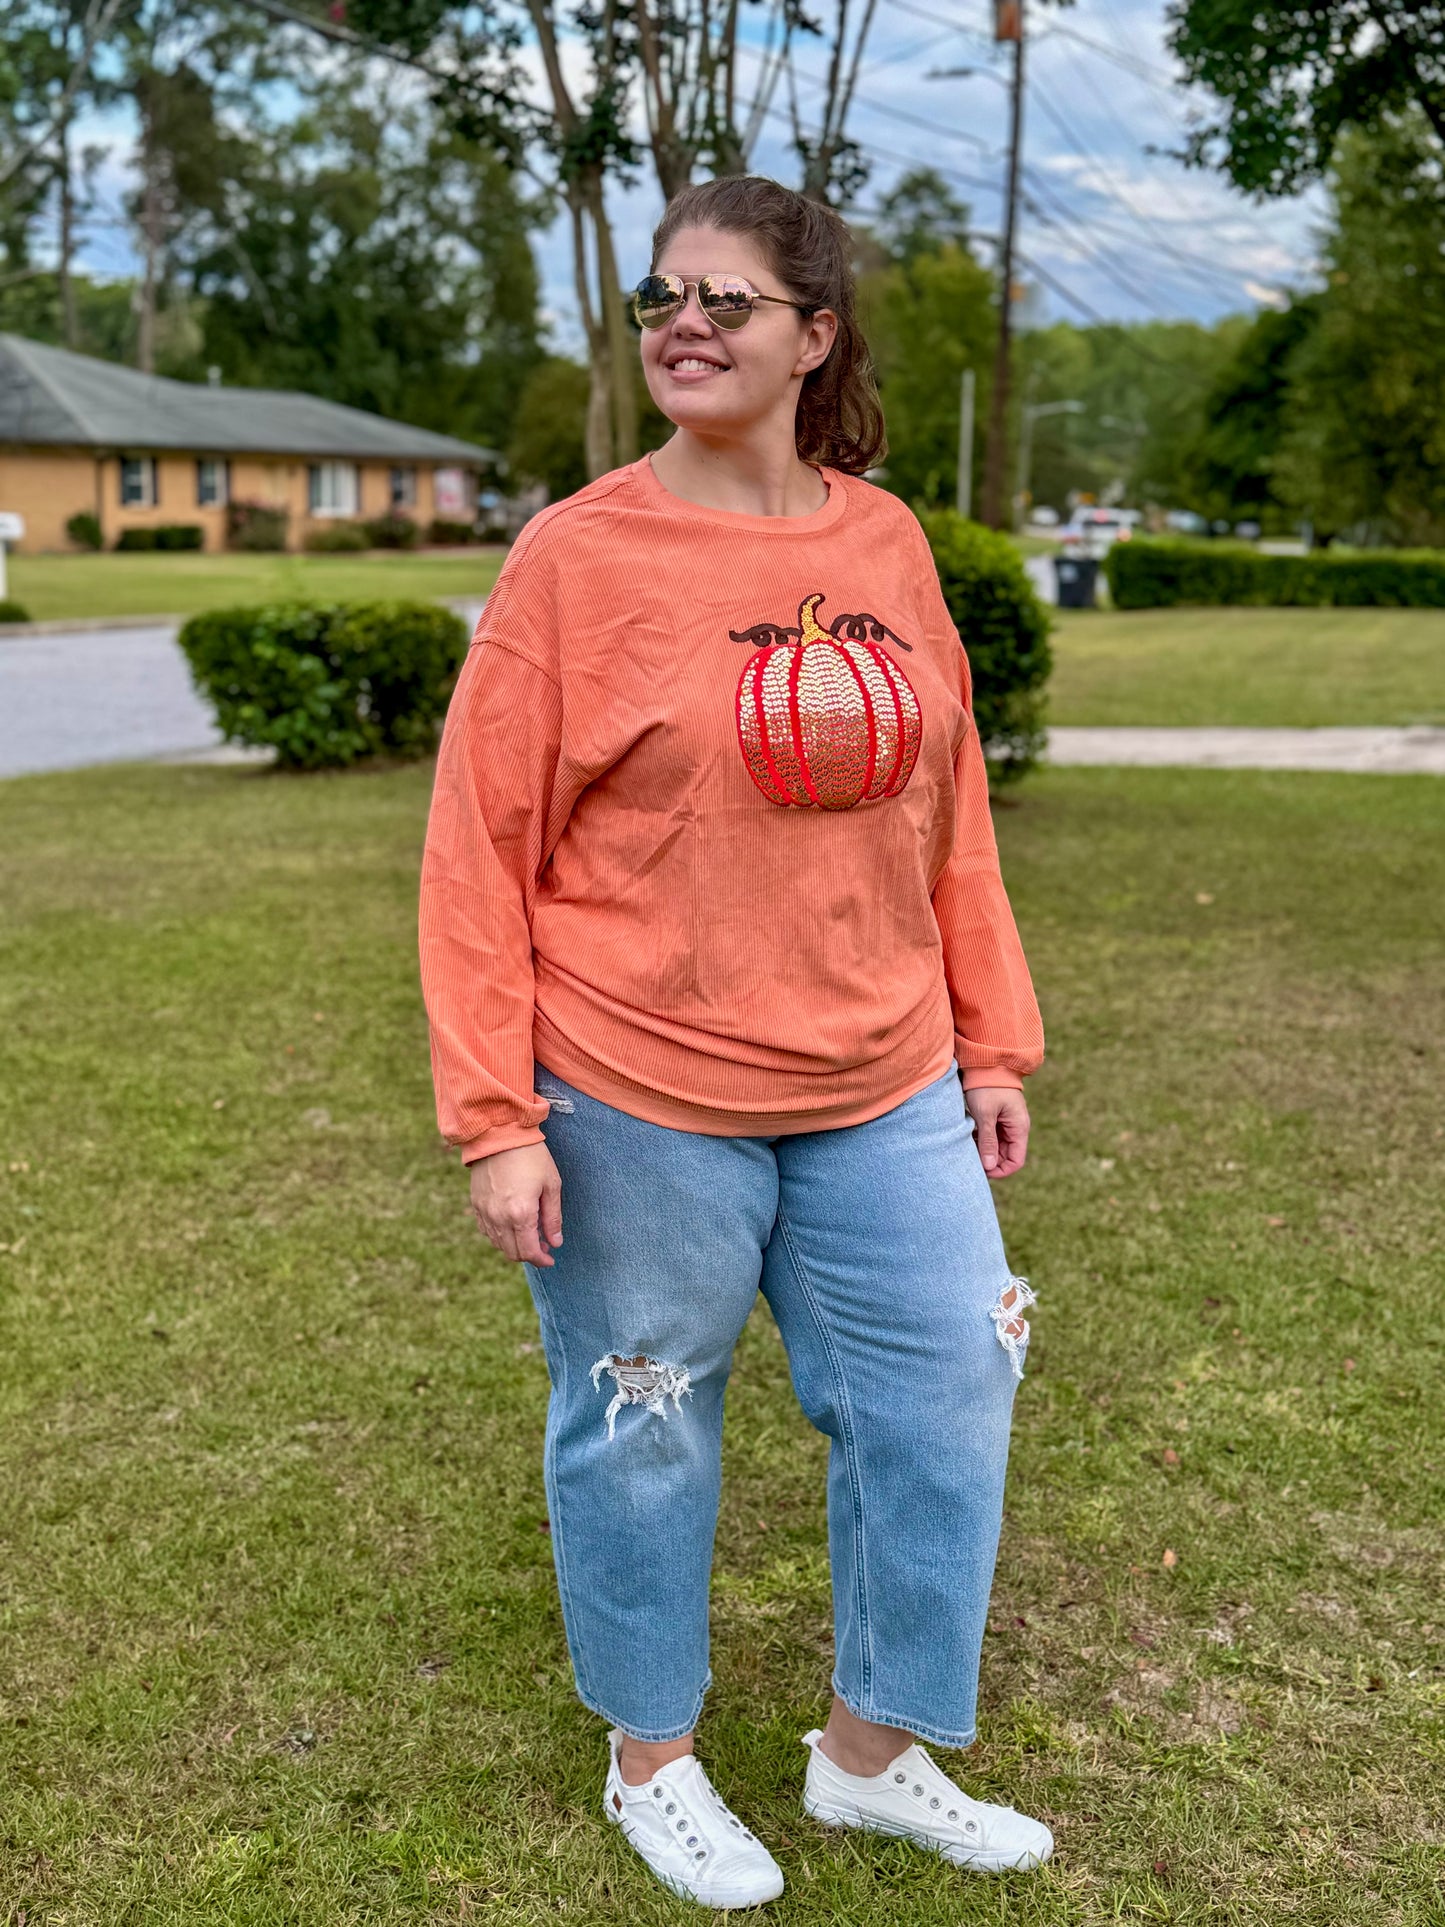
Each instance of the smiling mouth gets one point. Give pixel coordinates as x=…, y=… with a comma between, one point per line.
x=695, y=365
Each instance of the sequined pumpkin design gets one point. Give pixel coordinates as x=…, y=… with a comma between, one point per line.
x=826, y=721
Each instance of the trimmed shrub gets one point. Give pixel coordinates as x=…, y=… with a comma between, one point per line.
x=326, y=685
x=337, y=538
x=176, y=536
x=1161, y=575
x=170, y=536
x=13, y=611
x=84, y=530
x=392, y=532
x=256, y=527
x=1005, y=630
x=450, y=534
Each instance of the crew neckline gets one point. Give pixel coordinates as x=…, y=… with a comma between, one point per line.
x=819, y=518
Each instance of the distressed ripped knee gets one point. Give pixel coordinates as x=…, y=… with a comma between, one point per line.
x=1009, y=1321
x=641, y=1381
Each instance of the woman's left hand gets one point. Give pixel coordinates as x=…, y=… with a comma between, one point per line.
x=1001, y=1120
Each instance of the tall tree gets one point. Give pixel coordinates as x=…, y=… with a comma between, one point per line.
x=1232, y=463
x=685, y=53
x=364, y=251
x=1291, y=79
x=927, y=311
x=1366, y=444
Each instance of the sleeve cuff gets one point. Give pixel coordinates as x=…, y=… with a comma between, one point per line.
x=503, y=1137
x=975, y=1079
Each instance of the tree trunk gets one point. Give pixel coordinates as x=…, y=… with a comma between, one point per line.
x=598, y=427
x=151, y=237
x=622, y=352
x=66, y=245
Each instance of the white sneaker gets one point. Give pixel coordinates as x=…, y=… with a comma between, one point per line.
x=914, y=1800
x=688, y=1837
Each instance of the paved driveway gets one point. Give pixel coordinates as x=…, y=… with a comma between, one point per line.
x=74, y=697
x=97, y=696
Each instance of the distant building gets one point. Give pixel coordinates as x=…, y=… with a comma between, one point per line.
x=137, y=450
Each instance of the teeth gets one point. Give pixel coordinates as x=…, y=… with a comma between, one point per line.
x=692, y=362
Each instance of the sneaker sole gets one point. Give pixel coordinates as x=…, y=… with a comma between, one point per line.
x=832, y=1815
x=721, y=1896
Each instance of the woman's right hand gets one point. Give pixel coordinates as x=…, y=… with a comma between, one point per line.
x=517, y=1202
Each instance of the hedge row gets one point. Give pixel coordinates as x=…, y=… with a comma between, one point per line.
x=1160, y=575
x=325, y=686
x=169, y=536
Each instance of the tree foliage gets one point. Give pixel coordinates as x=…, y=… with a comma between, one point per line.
x=371, y=256
x=1232, y=461
x=1365, y=443
x=1291, y=79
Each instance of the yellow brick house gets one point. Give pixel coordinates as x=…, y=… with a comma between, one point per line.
x=77, y=434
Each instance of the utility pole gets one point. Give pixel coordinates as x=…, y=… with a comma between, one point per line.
x=965, y=445
x=1008, y=25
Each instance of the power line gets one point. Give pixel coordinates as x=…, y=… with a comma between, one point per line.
x=895, y=113
x=1117, y=193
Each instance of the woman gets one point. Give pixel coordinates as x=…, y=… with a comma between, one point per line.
x=710, y=889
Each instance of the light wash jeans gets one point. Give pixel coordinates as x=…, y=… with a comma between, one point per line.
x=878, y=1249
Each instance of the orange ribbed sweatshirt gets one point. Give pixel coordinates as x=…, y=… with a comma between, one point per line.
x=710, y=833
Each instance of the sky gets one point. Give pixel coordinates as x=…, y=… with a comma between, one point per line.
x=1111, y=227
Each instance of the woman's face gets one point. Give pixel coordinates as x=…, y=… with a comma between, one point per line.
x=723, y=380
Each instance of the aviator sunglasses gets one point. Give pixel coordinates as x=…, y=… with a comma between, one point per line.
x=726, y=299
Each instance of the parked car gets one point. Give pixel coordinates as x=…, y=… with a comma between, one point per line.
x=1093, y=531
x=1186, y=522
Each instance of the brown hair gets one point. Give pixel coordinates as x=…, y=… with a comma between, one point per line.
x=807, y=245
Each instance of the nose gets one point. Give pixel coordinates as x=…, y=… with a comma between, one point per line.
x=692, y=309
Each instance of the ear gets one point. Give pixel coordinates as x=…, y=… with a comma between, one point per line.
x=818, y=343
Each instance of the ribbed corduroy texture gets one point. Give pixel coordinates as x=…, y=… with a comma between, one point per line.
x=609, y=892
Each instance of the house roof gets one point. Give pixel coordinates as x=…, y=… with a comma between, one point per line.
x=52, y=397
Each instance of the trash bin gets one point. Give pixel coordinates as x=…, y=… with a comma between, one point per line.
x=1076, y=577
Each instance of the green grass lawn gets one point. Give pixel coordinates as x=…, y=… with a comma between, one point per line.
x=281, y=1643
x=55, y=587
x=1305, y=667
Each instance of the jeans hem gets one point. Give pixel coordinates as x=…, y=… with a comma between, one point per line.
x=935, y=1735
x=647, y=1735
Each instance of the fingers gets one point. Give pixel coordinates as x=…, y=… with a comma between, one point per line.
x=1012, y=1125
x=1001, y=1130
x=514, y=1229
x=516, y=1200
x=986, y=1137
x=552, y=1211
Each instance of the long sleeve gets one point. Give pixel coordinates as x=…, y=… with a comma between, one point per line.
x=486, y=843
x=998, y=1033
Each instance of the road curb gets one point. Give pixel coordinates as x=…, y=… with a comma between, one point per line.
x=86, y=625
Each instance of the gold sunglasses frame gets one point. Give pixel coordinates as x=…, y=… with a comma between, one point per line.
x=744, y=316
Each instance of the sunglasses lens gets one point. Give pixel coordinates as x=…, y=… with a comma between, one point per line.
x=657, y=298
x=726, y=299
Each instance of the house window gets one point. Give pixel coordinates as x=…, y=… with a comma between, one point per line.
x=331, y=488
x=213, y=484
x=138, y=488
x=452, y=492
x=403, y=488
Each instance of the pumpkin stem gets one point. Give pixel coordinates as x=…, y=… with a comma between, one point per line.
x=813, y=630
